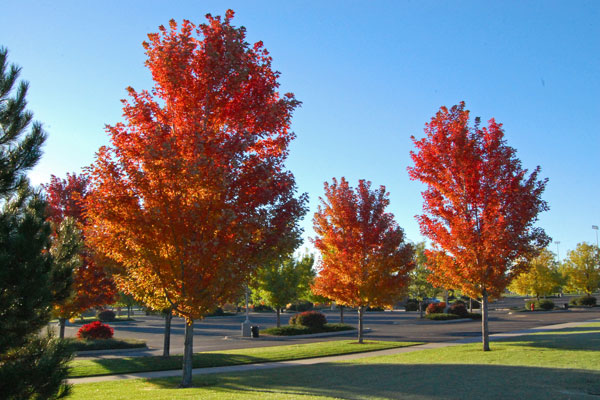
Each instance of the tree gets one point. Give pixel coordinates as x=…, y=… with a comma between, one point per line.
x=192, y=194
x=479, y=206
x=31, y=366
x=582, y=270
x=364, y=259
x=419, y=287
x=92, y=287
x=281, y=282
x=542, y=278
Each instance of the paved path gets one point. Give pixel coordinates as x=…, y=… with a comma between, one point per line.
x=312, y=361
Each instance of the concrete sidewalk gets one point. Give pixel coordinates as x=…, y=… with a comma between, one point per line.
x=312, y=361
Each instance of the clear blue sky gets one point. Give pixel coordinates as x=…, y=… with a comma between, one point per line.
x=369, y=74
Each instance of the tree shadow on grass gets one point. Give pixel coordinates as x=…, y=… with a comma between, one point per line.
x=405, y=381
x=111, y=366
x=577, y=338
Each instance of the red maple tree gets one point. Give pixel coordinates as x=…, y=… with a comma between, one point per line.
x=364, y=259
x=92, y=287
x=192, y=194
x=480, y=206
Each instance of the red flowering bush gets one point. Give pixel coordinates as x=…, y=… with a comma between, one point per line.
x=310, y=319
x=95, y=330
x=435, y=308
x=459, y=309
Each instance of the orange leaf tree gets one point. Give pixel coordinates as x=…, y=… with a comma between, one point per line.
x=92, y=287
x=479, y=206
x=192, y=193
x=364, y=259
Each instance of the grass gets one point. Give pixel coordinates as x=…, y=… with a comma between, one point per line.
x=555, y=365
x=109, y=366
x=294, y=330
x=104, y=344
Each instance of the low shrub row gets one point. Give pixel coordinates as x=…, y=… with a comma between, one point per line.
x=583, y=301
x=103, y=344
x=447, y=317
x=292, y=330
x=544, y=304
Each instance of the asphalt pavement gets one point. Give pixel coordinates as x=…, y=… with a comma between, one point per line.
x=220, y=333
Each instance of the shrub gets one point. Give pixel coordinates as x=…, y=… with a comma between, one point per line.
x=475, y=316
x=411, y=305
x=583, y=301
x=95, y=330
x=311, y=319
x=302, y=305
x=441, y=316
x=292, y=330
x=375, y=309
x=288, y=330
x=435, y=308
x=540, y=305
x=261, y=307
x=106, y=316
x=546, y=304
x=458, y=308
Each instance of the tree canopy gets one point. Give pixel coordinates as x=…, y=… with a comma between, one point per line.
x=480, y=206
x=192, y=193
x=365, y=260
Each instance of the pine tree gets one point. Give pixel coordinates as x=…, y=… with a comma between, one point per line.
x=30, y=366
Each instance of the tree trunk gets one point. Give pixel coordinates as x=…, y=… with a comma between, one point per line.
x=485, y=334
x=128, y=312
x=470, y=305
x=167, y=338
x=421, y=309
x=446, y=301
x=361, y=311
x=188, y=352
x=341, y=314
x=61, y=332
x=278, y=317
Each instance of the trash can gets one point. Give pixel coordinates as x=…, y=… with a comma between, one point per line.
x=254, y=330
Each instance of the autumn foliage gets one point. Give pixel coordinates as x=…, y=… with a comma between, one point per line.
x=364, y=259
x=95, y=330
x=92, y=287
x=192, y=193
x=479, y=205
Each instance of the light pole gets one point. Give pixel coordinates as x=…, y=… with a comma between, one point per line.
x=595, y=227
x=557, y=251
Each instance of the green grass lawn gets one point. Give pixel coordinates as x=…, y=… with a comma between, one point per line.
x=110, y=366
x=556, y=365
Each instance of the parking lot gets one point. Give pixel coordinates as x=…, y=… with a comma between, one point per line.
x=219, y=333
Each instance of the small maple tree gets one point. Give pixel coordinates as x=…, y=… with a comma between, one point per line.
x=479, y=206
x=92, y=287
x=364, y=259
x=192, y=194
